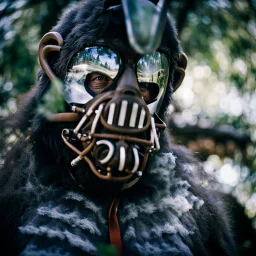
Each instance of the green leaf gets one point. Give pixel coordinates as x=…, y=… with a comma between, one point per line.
x=107, y=250
x=53, y=101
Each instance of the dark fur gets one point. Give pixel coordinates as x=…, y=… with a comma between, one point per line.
x=40, y=158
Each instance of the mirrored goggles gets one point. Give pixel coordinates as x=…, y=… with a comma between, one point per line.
x=96, y=69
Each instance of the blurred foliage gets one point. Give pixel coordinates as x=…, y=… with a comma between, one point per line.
x=22, y=24
x=107, y=250
x=53, y=100
x=213, y=112
x=215, y=106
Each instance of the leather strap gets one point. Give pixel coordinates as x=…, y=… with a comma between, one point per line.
x=114, y=230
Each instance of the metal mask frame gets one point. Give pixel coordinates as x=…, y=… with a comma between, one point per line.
x=94, y=115
x=154, y=104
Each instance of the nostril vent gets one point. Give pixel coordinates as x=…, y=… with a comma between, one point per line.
x=129, y=92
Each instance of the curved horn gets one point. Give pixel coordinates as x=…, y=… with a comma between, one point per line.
x=50, y=42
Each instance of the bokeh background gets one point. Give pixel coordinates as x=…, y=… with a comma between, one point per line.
x=213, y=112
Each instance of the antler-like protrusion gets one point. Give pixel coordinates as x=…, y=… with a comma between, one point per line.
x=50, y=42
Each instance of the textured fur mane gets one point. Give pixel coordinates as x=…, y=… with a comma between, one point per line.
x=42, y=210
x=144, y=217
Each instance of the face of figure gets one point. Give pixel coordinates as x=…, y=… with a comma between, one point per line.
x=118, y=131
x=116, y=95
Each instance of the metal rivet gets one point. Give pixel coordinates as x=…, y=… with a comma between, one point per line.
x=139, y=173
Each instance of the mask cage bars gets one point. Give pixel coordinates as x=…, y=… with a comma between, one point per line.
x=95, y=110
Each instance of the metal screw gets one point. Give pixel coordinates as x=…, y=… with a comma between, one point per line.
x=73, y=108
x=139, y=173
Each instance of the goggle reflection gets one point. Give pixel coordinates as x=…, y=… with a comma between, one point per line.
x=94, y=70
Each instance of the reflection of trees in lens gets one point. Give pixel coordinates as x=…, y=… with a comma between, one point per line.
x=92, y=59
x=106, y=65
x=153, y=68
x=164, y=72
x=98, y=59
x=161, y=78
x=103, y=50
x=106, y=53
x=117, y=60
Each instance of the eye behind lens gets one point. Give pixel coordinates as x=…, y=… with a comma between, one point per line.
x=94, y=68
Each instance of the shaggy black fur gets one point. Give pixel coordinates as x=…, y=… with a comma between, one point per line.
x=37, y=166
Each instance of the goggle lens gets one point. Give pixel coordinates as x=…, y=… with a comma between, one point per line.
x=152, y=73
x=94, y=69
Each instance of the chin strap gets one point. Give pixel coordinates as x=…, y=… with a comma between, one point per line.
x=114, y=230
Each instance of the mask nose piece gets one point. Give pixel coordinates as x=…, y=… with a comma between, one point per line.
x=130, y=91
x=128, y=84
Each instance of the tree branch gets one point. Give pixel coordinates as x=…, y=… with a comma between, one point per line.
x=222, y=134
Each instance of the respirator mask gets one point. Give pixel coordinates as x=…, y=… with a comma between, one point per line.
x=115, y=98
x=118, y=127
